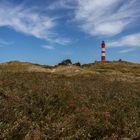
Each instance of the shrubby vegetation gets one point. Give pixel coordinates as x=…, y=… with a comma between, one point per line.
x=37, y=105
x=65, y=62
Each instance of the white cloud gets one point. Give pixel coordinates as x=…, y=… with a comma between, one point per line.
x=127, y=50
x=132, y=40
x=30, y=22
x=26, y=21
x=106, y=17
x=62, y=4
x=60, y=40
x=4, y=42
x=48, y=47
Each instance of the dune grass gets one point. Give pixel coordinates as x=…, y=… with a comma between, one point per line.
x=51, y=106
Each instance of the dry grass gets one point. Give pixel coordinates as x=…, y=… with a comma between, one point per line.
x=39, y=105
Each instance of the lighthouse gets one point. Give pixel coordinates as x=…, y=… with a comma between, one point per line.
x=103, y=53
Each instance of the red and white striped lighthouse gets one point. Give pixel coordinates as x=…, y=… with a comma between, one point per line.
x=103, y=53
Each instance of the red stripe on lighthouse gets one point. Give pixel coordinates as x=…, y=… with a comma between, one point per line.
x=103, y=56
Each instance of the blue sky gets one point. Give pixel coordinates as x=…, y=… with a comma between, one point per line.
x=48, y=31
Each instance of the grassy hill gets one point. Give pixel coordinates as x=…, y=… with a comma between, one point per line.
x=99, y=101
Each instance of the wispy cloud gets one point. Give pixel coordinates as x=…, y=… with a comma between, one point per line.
x=62, y=4
x=60, y=40
x=132, y=40
x=4, y=43
x=25, y=20
x=127, y=50
x=30, y=22
x=48, y=47
x=106, y=17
